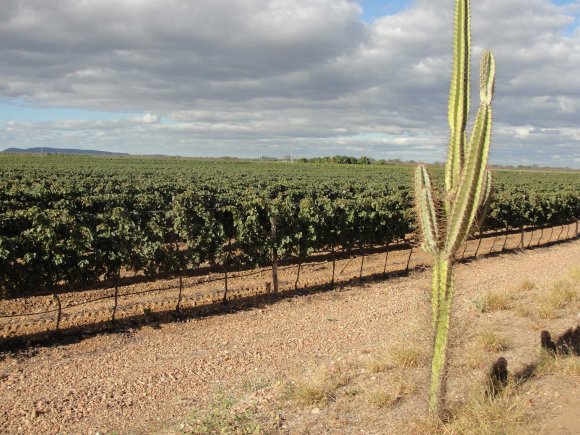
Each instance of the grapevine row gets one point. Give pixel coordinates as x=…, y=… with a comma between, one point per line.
x=61, y=225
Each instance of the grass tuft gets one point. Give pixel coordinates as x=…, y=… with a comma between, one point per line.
x=491, y=341
x=526, y=285
x=493, y=301
x=563, y=364
x=408, y=355
x=508, y=413
x=387, y=397
x=318, y=387
x=219, y=417
x=377, y=365
x=560, y=294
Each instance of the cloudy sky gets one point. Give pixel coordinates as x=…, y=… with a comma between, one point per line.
x=251, y=77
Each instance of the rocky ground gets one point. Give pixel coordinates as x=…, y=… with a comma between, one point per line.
x=148, y=378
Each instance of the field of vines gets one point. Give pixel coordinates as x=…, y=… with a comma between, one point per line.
x=76, y=220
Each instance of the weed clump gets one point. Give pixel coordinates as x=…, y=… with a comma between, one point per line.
x=491, y=341
x=388, y=396
x=318, y=387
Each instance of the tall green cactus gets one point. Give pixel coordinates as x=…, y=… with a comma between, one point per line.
x=467, y=189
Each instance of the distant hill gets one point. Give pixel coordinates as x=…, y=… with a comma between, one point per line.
x=46, y=150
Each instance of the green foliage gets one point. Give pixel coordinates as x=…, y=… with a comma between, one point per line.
x=74, y=220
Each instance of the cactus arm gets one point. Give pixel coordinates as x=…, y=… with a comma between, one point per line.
x=473, y=176
x=471, y=185
x=487, y=77
x=458, y=110
x=426, y=209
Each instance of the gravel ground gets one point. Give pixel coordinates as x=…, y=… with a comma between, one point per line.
x=142, y=380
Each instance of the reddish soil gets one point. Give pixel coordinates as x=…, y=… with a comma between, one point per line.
x=146, y=379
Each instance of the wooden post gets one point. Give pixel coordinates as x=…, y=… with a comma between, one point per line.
x=225, y=299
x=179, y=296
x=362, y=262
x=551, y=232
x=386, y=259
x=493, y=244
x=561, y=231
x=522, y=241
x=116, y=297
x=531, y=238
x=346, y=265
x=274, y=256
x=333, y=266
x=541, y=235
x=478, y=245
x=59, y=313
x=464, y=249
x=298, y=275
x=506, y=237
x=409, y=260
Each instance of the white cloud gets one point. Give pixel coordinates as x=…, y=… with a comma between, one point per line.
x=233, y=76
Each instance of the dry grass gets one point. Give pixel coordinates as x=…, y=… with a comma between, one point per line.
x=378, y=364
x=492, y=301
x=547, y=303
x=408, y=355
x=491, y=341
x=502, y=299
x=385, y=397
x=317, y=387
x=562, y=364
x=574, y=274
x=508, y=413
x=558, y=296
x=473, y=357
x=526, y=285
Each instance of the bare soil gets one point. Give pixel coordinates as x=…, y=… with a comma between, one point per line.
x=147, y=379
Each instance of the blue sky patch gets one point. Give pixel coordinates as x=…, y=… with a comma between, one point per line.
x=373, y=9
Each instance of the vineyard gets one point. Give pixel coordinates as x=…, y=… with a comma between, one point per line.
x=76, y=220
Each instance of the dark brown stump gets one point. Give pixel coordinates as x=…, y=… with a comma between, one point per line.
x=498, y=376
x=546, y=342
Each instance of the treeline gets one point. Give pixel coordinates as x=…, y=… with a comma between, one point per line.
x=350, y=160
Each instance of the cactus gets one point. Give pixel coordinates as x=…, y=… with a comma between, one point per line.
x=467, y=190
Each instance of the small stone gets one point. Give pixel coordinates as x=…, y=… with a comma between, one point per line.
x=316, y=410
x=34, y=413
x=556, y=394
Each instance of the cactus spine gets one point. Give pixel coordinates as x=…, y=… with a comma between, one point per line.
x=467, y=189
